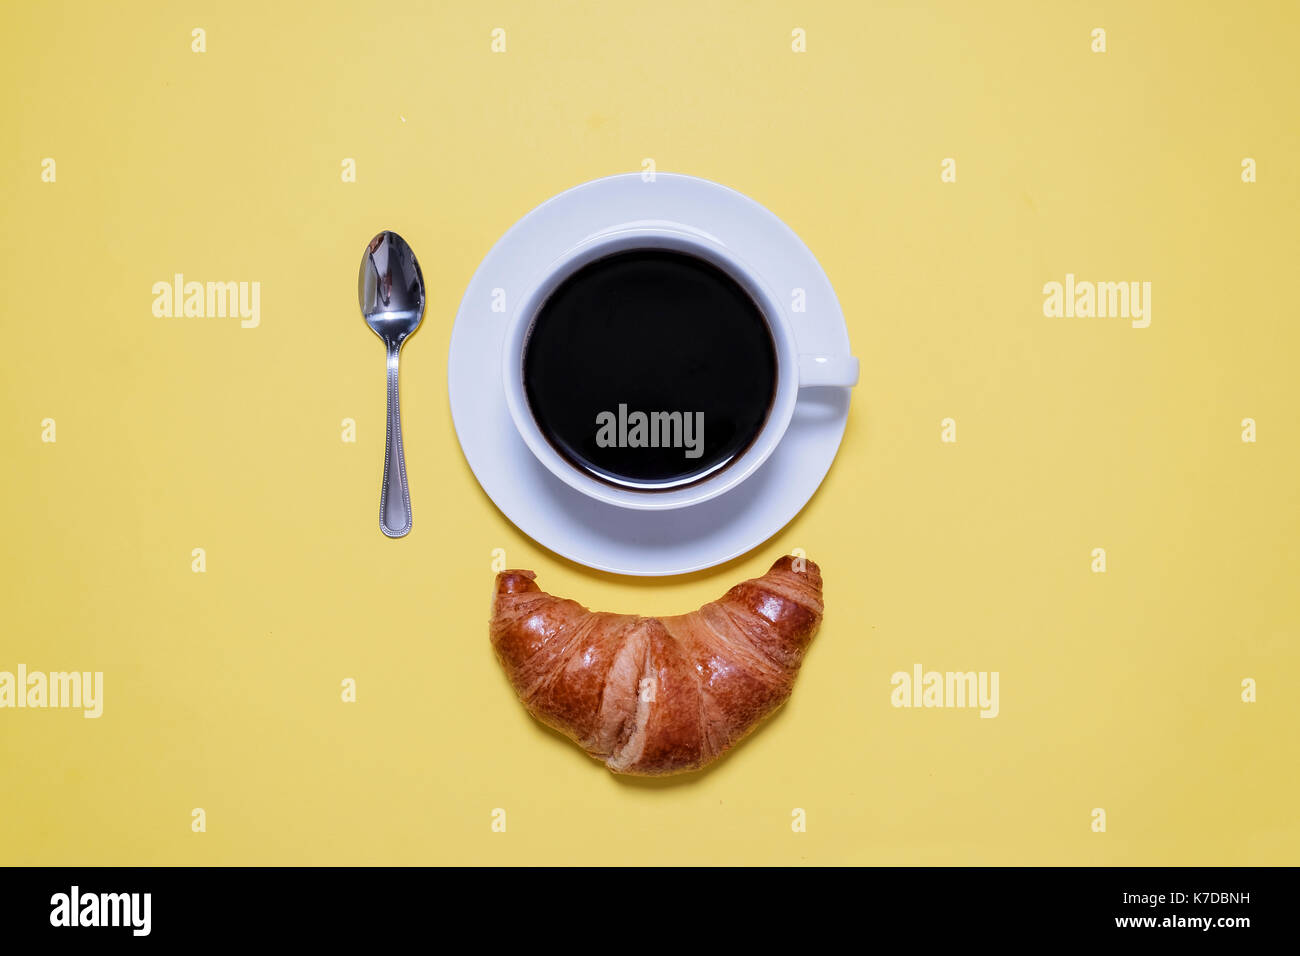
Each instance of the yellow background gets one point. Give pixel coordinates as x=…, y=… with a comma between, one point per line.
x=222, y=690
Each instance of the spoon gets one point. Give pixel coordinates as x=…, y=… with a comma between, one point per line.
x=391, y=291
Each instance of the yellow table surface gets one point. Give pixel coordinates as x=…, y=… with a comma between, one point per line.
x=1120, y=691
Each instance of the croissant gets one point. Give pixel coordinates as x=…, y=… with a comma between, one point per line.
x=654, y=696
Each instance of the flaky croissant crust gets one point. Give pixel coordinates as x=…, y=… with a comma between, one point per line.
x=651, y=695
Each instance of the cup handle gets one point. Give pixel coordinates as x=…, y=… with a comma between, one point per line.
x=839, y=371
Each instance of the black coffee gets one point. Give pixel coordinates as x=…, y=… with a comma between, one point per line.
x=650, y=369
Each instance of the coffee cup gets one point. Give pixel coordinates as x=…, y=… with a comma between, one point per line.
x=649, y=367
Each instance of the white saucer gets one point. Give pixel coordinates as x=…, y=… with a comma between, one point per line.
x=605, y=536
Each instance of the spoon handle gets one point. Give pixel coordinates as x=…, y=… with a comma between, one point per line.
x=395, y=498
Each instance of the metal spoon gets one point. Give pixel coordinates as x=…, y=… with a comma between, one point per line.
x=391, y=291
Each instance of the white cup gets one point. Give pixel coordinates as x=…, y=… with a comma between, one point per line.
x=793, y=370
